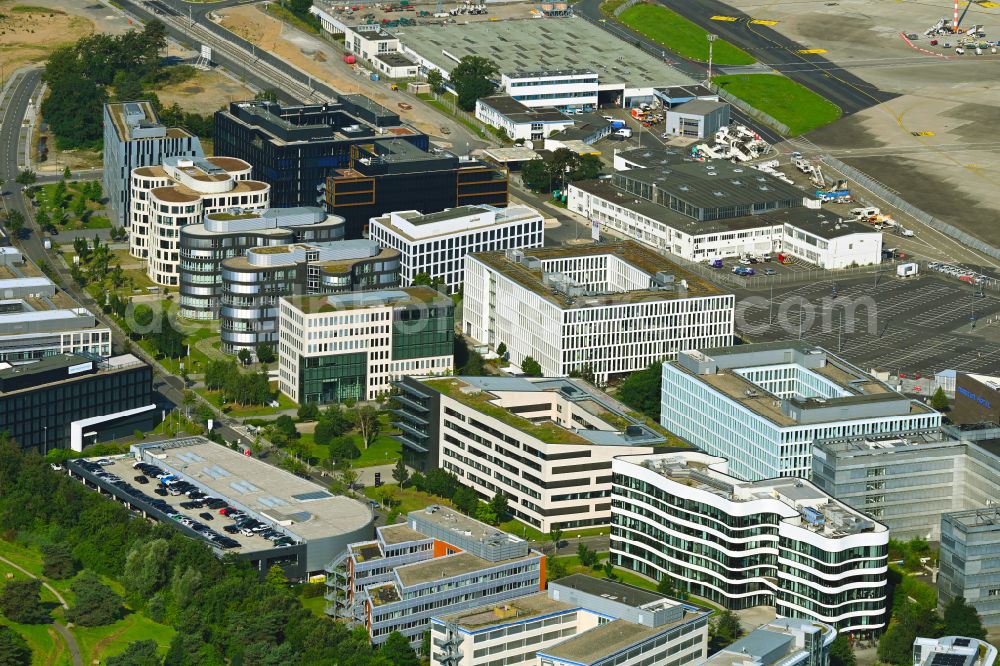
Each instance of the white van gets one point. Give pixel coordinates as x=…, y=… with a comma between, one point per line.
x=624, y=132
x=862, y=213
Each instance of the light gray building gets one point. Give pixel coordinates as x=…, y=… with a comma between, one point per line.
x=908, y=480
x=134, y=137
x=698, y=118
x=784, y=641
x=970, y=561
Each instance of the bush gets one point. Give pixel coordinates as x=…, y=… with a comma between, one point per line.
x=21, y=602
x=343, y=448
x=96, y=603
x=58, y=562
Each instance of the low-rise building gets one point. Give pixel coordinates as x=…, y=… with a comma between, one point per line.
x=775, y=542
x=786, y=641
x=520, y=121
x=381, y=50
x=578, y=621
x=546, y=444
x=253, y=284
x=228, y=234
x=908, y=480
x=953, y=651
x=308, y=524
x=762, y=406
x=437, y=562
x=969, y=566
x=353, y=346
x=697, y=119
x=603, y=309
x=436, y=244
x=67, y=401
x=178, y=192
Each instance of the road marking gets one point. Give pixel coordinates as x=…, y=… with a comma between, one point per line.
x=763, y=22
x=988, y=4
x=925, y=133
x=724, y=18
x=812, y=51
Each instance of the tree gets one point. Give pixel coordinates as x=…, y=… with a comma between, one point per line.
x=499, y=505
x=501, y=350
x=609, y=570
x=96, y=603
x=138, y=653
x=399, y=473
x=422, y=279
x=961, y=619
x=535, y=175
x=441, y=483
x=386, y=495
x=587, y=167
x=665, y=586
x=26, y=177
x=308, y=411
x=244, y=356
x=15, y=222
x=265, y=353
x=841, y=652
x=75, y=110
x=67, y=174
x=43, y=219
x=641, y=391
x=555, y=536
x=725, y=630
x=466, y=500
x=286, y=426
x=472, y=80
x=939, y=401
x=397, y=651
x=79, y=206
x=21, y=602
x=14, y=650
x=531, y=367
x=185, y=585
x=276, y=577
x=146, y=567
x=366, y=421
x=57, y=561
x=587, y=557
x=435, y=79
x=486, y=514
x=343, y=448
x=170, y=342
x=269, y=95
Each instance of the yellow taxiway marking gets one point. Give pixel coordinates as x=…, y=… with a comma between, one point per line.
x=812, y=51
x=763, y=22
x=988, y=4
x=922, y=133
x=724, y=18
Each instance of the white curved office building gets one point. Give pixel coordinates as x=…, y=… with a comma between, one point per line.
x=179, y=192
x=778, y=542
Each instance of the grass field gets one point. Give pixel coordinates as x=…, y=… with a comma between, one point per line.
x=681, y=35
x=787, y=101
x=97, y=643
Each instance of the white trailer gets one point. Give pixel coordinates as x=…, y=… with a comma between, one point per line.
x=907, y=270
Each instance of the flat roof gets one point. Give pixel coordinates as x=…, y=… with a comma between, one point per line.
x=631, y=252
x=984, y=520
x=302, y=507
x=400, y=533
x=416, y=226
x=519, y=44
x=448, y=566
x=118, y=111
x=520, y=609
x=698, y=107
x=714, y=184
x=395, y=59
x=519, y=113
x=358, y=300
x=622, y=593
x=603, y=640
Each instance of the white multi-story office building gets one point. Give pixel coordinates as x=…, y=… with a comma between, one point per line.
x=546, y=444
x=134, y=137
x=353, y=345
x=777, y=542
x=784, y=642
x=607, y=309
x=520, y=121
x=970, y=568
x=568, y=88
x=436, y=244
x=578, y=621
x=762, y=406
x=179, y=192
x=953, y=651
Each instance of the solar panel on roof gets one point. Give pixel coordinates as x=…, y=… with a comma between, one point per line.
x=963, y=642
x=314, y=495
x=944, y=659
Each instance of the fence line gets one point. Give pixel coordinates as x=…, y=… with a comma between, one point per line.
x=752, y=111
x=884, y=193
x=625, y=5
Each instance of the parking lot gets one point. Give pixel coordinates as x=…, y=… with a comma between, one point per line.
x=915, y=326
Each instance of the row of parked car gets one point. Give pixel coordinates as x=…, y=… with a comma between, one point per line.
x=960, y=272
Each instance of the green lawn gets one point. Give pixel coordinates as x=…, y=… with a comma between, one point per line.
x=315, y=605
x=44, y=200
x=250, y=411
x=787, y=101
x=681, y=35
x=97, y=643
x=47, y=647
x=450, y=109
x=409, y=499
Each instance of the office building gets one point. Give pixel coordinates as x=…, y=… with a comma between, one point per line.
x=520, y=121
x=437, y=562
x=389, y=175
x=38, y=320
x=762, y=406
x=908, y=480
x=353, y=346
x=546, y=444
x=253, y=284
x=953, y=651
x=697, y=119
x=225, y=235
x=67, y=401
x=969, y=566
x=808, y=555
x=295, y=148
x=785, y=641
x=607, y=309
x=436, y=244
x=977, y=399
x=134, y=137
x=579, y=620
x=380, y=50
x=309, y=525
x=709, y=210
x=182, y=191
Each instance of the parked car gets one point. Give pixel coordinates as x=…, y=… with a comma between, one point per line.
x=162, y=492
x=205, y=515
x=770, y=271
x=141, y=480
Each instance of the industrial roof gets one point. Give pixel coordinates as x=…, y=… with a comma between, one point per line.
x=519, y=113
x=714, y=184
x=698, y=107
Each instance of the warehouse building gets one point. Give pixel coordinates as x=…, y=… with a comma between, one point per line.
x=312, y=524
x=67, y=401
x=578, y=621
x=762, y=406
x=353, y=346
x=697, y=119
x=546, y=444
x=606, y=309
x=436, y=244
x=969, y=566
x=437, y=562
x=253, y=284
x=228, y=234
x=813, y=556
x=134, y=137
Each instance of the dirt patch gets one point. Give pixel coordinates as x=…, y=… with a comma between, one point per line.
x=204, y=92
x=29, y=35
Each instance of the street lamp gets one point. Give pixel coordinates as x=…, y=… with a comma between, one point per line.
x=711, y=41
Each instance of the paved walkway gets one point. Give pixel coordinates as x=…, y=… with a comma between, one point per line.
x=68, y=637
